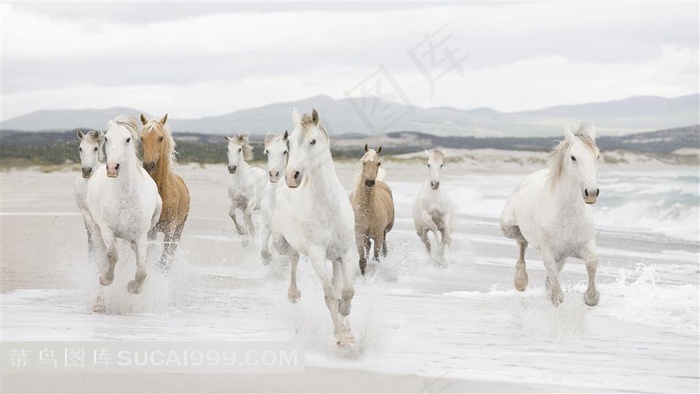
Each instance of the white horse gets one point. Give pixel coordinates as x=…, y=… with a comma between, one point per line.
x=549, y=211
x=432, y=208
x=246, y=184
x=123, y=201
x=314, y=217
x=91, y=159
x=277, y=152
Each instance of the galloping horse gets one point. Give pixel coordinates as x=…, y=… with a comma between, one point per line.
x=313, y=216
x=373, y=205
x=432, y=208
x=91, y=157
x=277, y=152
x=246, y=184
x=158, y=158
x=549, y=211
x=123, y=201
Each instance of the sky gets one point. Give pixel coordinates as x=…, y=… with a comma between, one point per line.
x=193, y=60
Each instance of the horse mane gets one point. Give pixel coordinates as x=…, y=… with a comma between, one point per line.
x=131, y=124
x=244, y=141
x=307, y=121
x=169, y=140
x=558, y=156
x=439, y=154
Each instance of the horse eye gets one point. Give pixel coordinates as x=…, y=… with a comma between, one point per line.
x=128, y=140
x=95, y=149
x=285, y=152
x=428, y=165
x=573, y=158
x=160, y=138
x=266, y=152
x=80, y=149
x=313, y=142
x=441, y=165
x=240, y=149
x=378, y=164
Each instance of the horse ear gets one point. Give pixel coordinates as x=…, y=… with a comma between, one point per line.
x=426, y=152
x=286, y=135
x=80, y=134
x=314, y=116
x=227, y=138
x=268, y=139
x=296, y=116
x=366, y=148
x=165, y=119
x=143, y=119
x=93, y=135
x=568, y=133
x=591, y=131
x=379, y=150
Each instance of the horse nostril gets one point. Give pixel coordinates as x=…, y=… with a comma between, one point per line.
x=297, y=174
x=597, y=192
x=116, y=167
x=585, y=192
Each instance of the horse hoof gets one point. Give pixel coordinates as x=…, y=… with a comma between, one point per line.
x=591, y=299
x=557, y=299
x=294, y=295
x=346, y=341
x=134, y=287
x=105, y=281
x=520, y=281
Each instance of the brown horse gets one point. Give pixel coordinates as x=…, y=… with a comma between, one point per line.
x=158, y=158
x=373, y=204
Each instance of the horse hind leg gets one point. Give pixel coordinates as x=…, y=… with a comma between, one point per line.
x=521, y=279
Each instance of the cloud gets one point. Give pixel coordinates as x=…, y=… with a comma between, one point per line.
x=218, y=58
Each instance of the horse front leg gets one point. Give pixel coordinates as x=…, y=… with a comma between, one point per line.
x=377, y=246
x=552, y=267
x=140, y=246
x=423, y=234
x=232, y=214
x=110, y=243
x=592, y=296
x=346, y=295
x=171, y=239
x=265, y=254
x=318, y=261
x=361, y=241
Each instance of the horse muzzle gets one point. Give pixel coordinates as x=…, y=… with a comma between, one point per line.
x=434, y=185
x=113, y=170
x=590, y=197
x=274, y=176
x=232, y=169
x=293, y=179
x=87, y=172
x=149, y=167
x=369, y=182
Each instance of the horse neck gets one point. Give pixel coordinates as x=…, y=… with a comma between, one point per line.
x=129, y=173
x=566, y=191
x=322, y=177
x=163, y=173
x=364, y=193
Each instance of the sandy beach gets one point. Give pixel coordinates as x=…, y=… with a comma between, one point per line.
x=420, y=327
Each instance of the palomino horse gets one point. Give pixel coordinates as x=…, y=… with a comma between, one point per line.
x=246, y=184
x=313, y=215
x=91, y=157
x=373, y=204
x=277, y=152
x=123, y=201
x=432, y=209
x=158, y=158
x=549, y=211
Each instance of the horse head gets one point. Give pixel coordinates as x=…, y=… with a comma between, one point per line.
x=238, y=150
x=277, y=152
x=90, y=148
x=370, y=165
x=157, y=142
x=436, y=160
x=309, y=147
x=577, y=157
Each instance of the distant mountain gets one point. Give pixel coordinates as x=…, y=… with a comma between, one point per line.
x=371, y=116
